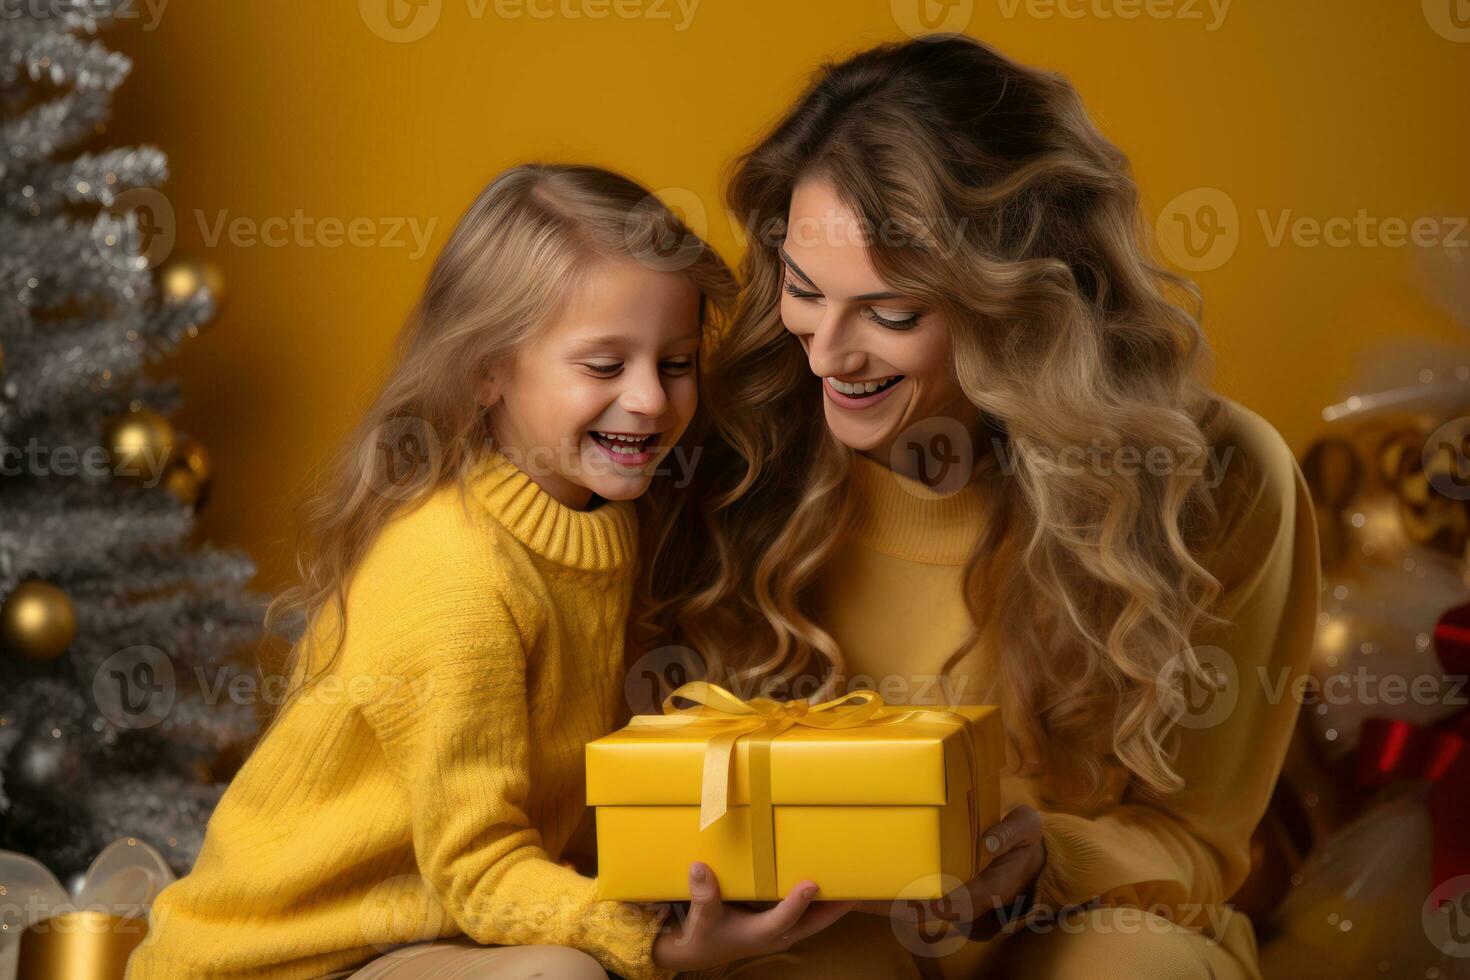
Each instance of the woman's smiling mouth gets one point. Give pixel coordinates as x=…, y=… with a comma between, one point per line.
x=862, y=393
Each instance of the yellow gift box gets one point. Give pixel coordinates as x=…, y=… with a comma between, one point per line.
x=869, y=800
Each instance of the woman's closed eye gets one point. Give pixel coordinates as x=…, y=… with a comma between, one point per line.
x=798, y=292
x=892, y=319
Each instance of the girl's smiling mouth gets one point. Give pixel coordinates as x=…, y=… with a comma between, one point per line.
x=625, y=448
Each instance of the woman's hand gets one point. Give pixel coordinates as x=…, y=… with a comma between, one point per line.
x=977, y=907
x=715, y=933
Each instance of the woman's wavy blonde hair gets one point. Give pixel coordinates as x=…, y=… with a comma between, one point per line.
x=1008, y=211
x=513, y=260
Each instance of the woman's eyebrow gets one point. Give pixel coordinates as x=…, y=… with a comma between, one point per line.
x=797, y=269
x=865, y=297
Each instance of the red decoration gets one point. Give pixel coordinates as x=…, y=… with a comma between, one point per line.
x=1390, y=749
x=1452, y=640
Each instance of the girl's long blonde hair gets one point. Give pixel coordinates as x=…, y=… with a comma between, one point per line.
x=514, y=258
x=989, y=195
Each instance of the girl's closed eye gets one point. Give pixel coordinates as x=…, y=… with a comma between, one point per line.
x=609, y=369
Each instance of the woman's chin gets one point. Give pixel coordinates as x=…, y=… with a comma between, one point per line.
x=860, y=437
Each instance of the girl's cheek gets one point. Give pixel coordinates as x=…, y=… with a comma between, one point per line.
x=683, y=394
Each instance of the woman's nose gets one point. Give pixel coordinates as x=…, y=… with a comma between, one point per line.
x=827, y=349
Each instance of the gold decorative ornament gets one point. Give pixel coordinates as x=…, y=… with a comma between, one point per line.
x=37, y=621
x=181, y=276
x=141, y=443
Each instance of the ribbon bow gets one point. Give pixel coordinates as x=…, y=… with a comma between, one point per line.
x=1390, y=749
x=762, y=719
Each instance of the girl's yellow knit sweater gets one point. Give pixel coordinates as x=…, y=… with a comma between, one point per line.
x=429, y=787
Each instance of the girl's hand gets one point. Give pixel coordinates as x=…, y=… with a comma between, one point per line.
x=714, y=933
x=977, y=906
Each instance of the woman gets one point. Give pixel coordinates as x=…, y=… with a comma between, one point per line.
x=975, y=459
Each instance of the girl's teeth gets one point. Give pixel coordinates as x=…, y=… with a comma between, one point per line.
x=624, y=445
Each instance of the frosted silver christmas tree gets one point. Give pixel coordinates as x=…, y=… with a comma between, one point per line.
x=123, y=645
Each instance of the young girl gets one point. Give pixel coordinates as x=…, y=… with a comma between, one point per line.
x=466, y=599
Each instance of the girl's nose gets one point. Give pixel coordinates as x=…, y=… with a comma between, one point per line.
x=644, y=394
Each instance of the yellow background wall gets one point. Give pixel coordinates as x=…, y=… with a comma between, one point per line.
x=1310, y=109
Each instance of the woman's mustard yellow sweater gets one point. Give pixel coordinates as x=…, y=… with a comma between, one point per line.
x=893, y=599
x=429, y=787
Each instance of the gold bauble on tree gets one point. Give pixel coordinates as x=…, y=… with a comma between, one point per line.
x=195, y=457
x=37, y=621
x=141, y=443
x=184, y=484
x=181, y=275
x=188, y=474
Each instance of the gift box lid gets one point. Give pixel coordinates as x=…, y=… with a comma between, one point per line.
x=913, y=762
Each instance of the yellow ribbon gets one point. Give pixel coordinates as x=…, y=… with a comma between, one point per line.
x=762, y=719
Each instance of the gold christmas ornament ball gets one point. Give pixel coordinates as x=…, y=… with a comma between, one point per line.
x=181, y=276
x=142, y=444
x=184, y=484
x=192, y=454
x=37, y=621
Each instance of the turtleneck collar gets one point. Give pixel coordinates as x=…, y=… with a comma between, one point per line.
x=902, y=517
x=600, y=539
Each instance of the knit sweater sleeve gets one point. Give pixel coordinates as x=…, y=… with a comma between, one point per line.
x=442, y=681
x=1182, y=854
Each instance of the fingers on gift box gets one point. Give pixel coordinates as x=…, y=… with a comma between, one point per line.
x=869, y=800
